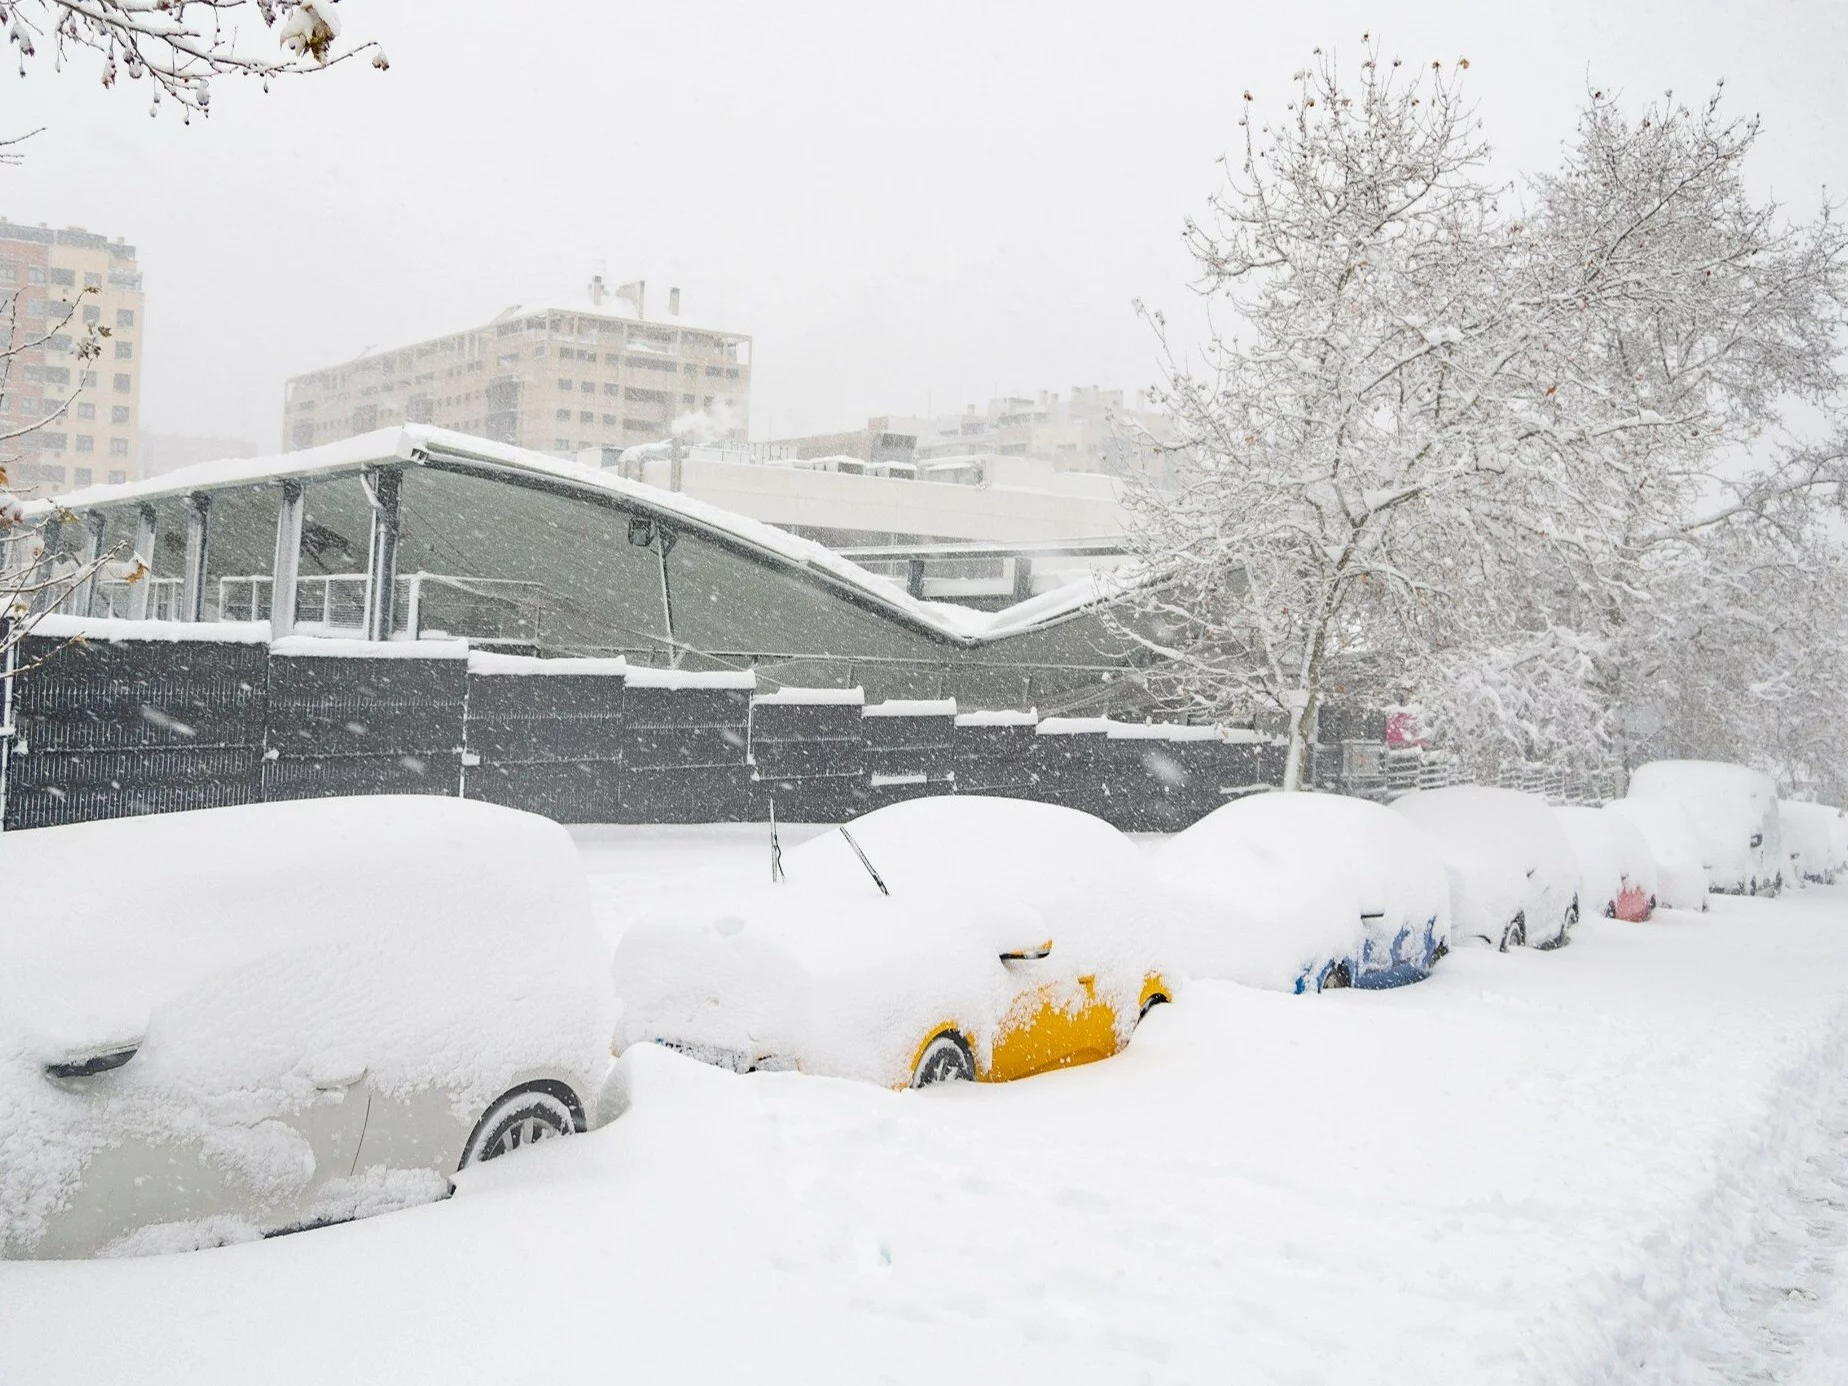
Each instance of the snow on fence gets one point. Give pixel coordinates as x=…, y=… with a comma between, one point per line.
x=152, y=716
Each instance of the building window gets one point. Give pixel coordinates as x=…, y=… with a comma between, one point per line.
x=687, y=400
x=118, y=447
x=564, y=416
x=301, y=436
x=123, y=384
x=117, y=478
x=89, y=378
x=564, y=384
x=92, y=280
x=125, y=317
x=9, y=272
x=35, y=274
x=82, y=476
x=86, y=410
x=586, y=417
x=612, y=389
x=125, y=351
x=62, y=276
x=118, y=413
x=561, y=444
x=539, y=351
x=50, y=442
x=589, y=387
x=609, y=421
x=85, y=443
x=91, y=313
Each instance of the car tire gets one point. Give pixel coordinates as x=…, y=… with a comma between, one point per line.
x=1336, y=977
x=1156, y=998
x=524, y=1116
x=1572, y=913
x=946, y=1059
x=1515, y=935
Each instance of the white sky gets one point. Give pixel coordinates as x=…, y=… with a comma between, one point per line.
x=904, y=209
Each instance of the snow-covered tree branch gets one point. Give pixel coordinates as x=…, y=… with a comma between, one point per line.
x=1456, y=436
x=178, y=47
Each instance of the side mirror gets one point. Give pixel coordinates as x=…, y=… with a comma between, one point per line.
x=88, y=1065
x=1758, y=840
x=1029, y=954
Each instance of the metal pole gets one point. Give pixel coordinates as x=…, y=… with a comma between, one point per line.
x=198, y=535
x=287, y=568
x=382, y=581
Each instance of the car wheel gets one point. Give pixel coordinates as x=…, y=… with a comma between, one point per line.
x=525, y=1116
x=1572, y=913
x=1516, y=934
x=946, y=1059
x=1156, y=998
x=1336, y=976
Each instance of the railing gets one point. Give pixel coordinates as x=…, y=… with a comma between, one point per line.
x=335, y=603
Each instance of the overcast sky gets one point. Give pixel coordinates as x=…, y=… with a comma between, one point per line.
x=905, y=210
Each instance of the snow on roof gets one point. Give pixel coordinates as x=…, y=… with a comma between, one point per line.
x=414, y=443
x=998, y=717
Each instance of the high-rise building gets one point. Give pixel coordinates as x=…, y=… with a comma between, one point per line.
x=55, y=285
x=551, y=379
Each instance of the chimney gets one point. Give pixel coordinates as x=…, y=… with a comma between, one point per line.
x=673, y=303
x=596, y=291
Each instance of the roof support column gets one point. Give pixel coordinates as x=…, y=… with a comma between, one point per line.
x=83, y=597
x=141, y=584
x=287, y=568
x=382, y=485
x=198, y=536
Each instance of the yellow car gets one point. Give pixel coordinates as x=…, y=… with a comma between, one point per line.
x=947, y=938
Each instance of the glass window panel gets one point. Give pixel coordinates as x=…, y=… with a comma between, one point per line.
x=112, y=588
x=241, y=553
x=330, y=591
x=169, y=565
x=727, y=604
x=495, y=562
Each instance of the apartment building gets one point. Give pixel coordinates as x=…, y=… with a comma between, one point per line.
x=56, y=285
x=1090, y=430
x=557, y=380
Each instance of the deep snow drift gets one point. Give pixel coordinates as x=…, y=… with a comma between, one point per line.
x=1584, y=1166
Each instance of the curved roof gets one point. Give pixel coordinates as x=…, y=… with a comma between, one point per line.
x=421, y=444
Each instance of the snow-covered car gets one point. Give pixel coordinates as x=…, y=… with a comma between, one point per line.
x=1617, y=872
x=223, y=1024
x=1681, y=880
x=1513, y=878
x=1304, y=892
x=1733, y=809
x=939, y=938
x=1815, y=840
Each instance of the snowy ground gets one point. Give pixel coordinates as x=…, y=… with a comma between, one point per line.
x=1624, y=1161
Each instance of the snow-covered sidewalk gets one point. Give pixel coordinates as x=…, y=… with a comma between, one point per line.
x=1617, y=1162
